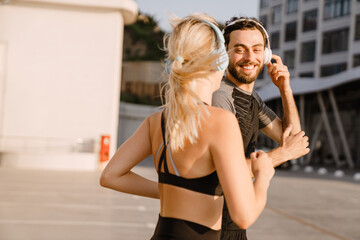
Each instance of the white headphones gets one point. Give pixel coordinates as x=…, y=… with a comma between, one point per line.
x=222, y=61
x=267, y=52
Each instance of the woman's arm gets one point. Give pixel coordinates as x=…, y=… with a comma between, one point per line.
x=245, y=199
x=117, y=174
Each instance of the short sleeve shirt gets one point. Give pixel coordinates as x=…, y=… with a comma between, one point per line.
x=251, y=112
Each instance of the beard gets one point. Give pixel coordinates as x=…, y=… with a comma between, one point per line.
x=241, y=77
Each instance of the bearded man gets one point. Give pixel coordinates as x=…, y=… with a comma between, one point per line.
x=248, y=47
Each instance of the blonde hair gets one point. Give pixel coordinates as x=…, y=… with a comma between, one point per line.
x=189, y=47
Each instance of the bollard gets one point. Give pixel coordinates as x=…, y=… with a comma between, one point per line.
x=104, y=150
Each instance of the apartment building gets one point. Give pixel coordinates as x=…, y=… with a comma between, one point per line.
x=319, y=41
x=316, y=38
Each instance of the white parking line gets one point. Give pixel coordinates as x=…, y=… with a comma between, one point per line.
x=77, y=223
x=140, y=208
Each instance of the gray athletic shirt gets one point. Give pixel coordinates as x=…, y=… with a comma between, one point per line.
x=250, y=111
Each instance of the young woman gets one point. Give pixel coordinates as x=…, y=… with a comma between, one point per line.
x=197, y=149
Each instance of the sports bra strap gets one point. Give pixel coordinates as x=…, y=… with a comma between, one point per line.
x=163, y=154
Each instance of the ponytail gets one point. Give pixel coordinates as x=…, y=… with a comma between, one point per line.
x=189, y=49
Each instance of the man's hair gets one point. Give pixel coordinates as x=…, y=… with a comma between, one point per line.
x=243, y=23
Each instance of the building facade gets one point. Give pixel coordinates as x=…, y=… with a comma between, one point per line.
x=60, y=78
x=319, y=41
x=316, y=38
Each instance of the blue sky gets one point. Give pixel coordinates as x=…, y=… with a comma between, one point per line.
x=221, y=10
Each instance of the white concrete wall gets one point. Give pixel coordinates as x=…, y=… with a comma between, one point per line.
x=60, y=68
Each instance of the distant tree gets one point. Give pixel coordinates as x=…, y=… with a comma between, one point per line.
x=143, y=40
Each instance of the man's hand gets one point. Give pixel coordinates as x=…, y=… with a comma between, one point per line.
x=294, y=146
x=279, y=73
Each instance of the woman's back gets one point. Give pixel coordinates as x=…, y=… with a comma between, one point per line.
x=190, y=189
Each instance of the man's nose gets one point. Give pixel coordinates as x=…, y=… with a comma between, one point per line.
x=249, y=55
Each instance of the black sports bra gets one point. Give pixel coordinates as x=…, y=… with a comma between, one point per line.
x=208, y=184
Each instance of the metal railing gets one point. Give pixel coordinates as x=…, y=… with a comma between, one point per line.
x=29, y=144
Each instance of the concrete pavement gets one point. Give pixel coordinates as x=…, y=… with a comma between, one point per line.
x=70, y=205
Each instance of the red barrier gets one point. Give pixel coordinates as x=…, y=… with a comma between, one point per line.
x=104, y=148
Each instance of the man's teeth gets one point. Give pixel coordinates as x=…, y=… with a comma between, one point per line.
x=248, y=67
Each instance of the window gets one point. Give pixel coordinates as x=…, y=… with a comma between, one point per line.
x=290, y=31
x=292, y=6
x=332, y=69
x=289, y=59
x=308, y=51
x=307, y=74
x=356, y=60
x=276, y=14
x=263, y=19
x=357, y=27
x=264, y=3
x=275, y=40
x=335, y=41
x=336, y=8
x=310, y=20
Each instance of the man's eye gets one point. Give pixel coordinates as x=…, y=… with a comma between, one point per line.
x=239, y=50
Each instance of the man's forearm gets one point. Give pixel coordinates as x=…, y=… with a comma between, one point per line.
x=291, y=114
x=278, y=156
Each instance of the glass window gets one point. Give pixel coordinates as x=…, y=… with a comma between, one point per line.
x=264, y=3
x=306, y=74
x=335, y=41
x=289, y=59
x=356, y=60
x=357, y=27
x=292, y=6
x=275, y=40
x=276, y=14
x=308, y=51
x=329, y=70
x=290, y=31
x=310, y=20
x=336, y=8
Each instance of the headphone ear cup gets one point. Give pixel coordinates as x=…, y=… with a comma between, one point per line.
x=223, y=60
x=267, y=55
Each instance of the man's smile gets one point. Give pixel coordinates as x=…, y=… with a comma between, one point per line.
x=247, y=67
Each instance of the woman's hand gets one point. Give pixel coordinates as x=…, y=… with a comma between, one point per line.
x=262, y=164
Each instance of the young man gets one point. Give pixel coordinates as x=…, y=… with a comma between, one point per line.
x=248, y=47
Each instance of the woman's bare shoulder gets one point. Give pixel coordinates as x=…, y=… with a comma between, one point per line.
x=154, y=120
x=220, y=119
x=222, y=115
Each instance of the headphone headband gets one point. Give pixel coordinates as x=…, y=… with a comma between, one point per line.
x=249, y=20
x=219, y=34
